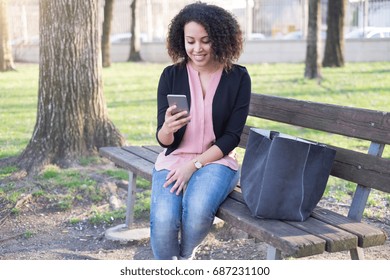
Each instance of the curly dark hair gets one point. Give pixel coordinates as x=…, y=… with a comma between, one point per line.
x=221, y=26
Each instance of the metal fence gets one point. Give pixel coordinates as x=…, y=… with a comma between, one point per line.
x=258, y=18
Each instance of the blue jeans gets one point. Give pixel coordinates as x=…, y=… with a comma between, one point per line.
x=189, y=215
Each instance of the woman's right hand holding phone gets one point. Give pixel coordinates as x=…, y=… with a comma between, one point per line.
x=173, y=122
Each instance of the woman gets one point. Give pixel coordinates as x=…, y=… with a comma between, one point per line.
x=198, y=168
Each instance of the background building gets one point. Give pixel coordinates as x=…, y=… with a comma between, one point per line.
x=272, y=19
x=275, y=30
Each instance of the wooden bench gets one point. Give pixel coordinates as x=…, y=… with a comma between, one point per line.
x=324, y=230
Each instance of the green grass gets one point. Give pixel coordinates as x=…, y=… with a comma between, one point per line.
x=106, y=217
x=130, y=93
x=68, y=178
x=120, y=174
x=8, y=170
x=28, y=234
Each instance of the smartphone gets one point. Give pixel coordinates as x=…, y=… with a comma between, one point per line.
x=180, y=100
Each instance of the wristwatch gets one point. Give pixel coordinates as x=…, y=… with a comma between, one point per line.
x=197, y=164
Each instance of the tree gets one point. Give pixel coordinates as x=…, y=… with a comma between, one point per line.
x=108, y=11
x=72, y=116
x=6, y=59
x=312, y=64
x=334, y=46
x=135, y=42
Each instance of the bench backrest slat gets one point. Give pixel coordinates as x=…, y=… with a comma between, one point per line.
x=354, y=122
x=364, y=169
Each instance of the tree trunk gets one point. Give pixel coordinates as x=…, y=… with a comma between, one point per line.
x=72, y=116
x=334, y=47
x=313, y=66
x=108, y=10
x=6, y=60
x=135, y=42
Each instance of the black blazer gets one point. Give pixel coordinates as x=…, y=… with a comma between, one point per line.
x=230, y=104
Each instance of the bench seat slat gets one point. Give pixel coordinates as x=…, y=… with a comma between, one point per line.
x=142, y=153
x=282, y=236
x=367, y=235
x=128, y=161
x=154, y=148
x=336, y=239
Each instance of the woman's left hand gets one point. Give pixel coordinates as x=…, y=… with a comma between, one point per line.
x=180, y=177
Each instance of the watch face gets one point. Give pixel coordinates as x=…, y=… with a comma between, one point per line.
x=198, y=164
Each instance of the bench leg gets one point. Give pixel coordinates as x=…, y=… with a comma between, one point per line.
x=357, y=254
x=131, y=193
x=273, y=253
x=125, y=232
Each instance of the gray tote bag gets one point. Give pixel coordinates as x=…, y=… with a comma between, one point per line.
x=284, y=177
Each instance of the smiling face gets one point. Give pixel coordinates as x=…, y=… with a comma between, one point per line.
x=198, y=46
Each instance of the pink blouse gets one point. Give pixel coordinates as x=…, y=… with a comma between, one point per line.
x=199, y=134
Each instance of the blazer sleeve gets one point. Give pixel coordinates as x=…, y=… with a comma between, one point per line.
x=162, y=102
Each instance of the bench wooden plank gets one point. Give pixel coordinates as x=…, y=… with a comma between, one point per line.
x=336, y=239
x=367, y=235
x=282, y=236
x=354, y=122
x=154, y=148
x=364, y=169
x=128, y=161
x=146, y=154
